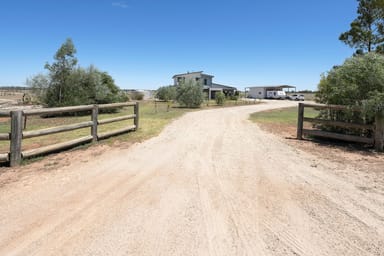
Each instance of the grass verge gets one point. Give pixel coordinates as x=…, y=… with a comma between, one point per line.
x=283, y=116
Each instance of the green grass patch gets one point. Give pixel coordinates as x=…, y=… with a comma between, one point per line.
x=286, y=116
x=152, y=120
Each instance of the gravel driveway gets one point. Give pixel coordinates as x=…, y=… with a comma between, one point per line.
x=212, y=183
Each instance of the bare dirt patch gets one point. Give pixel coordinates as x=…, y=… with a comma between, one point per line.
x=363, y=160
x=363, y=157
x=50, y=164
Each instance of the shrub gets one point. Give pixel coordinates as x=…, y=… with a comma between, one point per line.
x=166, y=93
x=135, y=95
x=234, y=97
x=220, y=98
x=359, y=82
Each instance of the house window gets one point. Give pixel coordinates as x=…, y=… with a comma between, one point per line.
x=197, y=79
x=180, y=79
x=205, y=81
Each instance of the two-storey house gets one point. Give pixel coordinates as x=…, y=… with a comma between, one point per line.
x=206, y=81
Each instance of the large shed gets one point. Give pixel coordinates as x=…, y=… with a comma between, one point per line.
x=260, y=92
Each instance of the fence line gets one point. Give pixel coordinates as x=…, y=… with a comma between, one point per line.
x=19, y=117
x=377, y=128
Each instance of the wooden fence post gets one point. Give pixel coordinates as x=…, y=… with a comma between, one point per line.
x=136, y=112
x=25, y=122
x=155, y=106
x=300, y=119
x=16, y=137
x=95, y=115
x=379, y=131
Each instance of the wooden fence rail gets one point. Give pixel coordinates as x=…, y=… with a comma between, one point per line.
x=377, y=128
x=19, y=117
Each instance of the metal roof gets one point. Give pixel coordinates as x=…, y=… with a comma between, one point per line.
x=273, y=86
x=223, y=86
x=188, y=73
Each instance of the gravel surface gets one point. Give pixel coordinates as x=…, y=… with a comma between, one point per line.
x=212, y=183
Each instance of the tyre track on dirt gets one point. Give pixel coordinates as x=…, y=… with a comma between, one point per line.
x=74, y=211
x=292, y=244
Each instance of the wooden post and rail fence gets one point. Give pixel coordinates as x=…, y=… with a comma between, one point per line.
x=377, y=129
x=17, y=134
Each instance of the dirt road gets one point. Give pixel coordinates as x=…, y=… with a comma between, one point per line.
x=212, y=183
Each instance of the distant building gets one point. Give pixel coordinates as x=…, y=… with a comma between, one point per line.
x=261, y=92
x=206, y=81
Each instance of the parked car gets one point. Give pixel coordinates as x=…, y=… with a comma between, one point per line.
x=296, y=97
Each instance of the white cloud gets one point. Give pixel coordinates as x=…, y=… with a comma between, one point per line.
x=121, y=4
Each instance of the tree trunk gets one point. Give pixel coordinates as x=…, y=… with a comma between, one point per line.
x=379, y=131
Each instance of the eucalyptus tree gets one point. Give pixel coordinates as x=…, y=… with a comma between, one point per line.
x=68, y=84
x=59, y=73
x=366, y=32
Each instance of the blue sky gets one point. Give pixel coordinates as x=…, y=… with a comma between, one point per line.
x=143, y=43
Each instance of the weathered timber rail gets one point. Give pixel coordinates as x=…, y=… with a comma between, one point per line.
x=377, y=128
x=18, y=122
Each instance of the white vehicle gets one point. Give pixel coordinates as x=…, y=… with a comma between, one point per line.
x=296, y=97
x=276, y=95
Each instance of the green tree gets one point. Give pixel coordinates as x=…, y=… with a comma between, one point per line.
x=39, y=84
x=166, y=93
x=67, y=85
x=106, y=91
x=190, y=94
x=366, y=32
x=59, y=73
x=358, y=82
